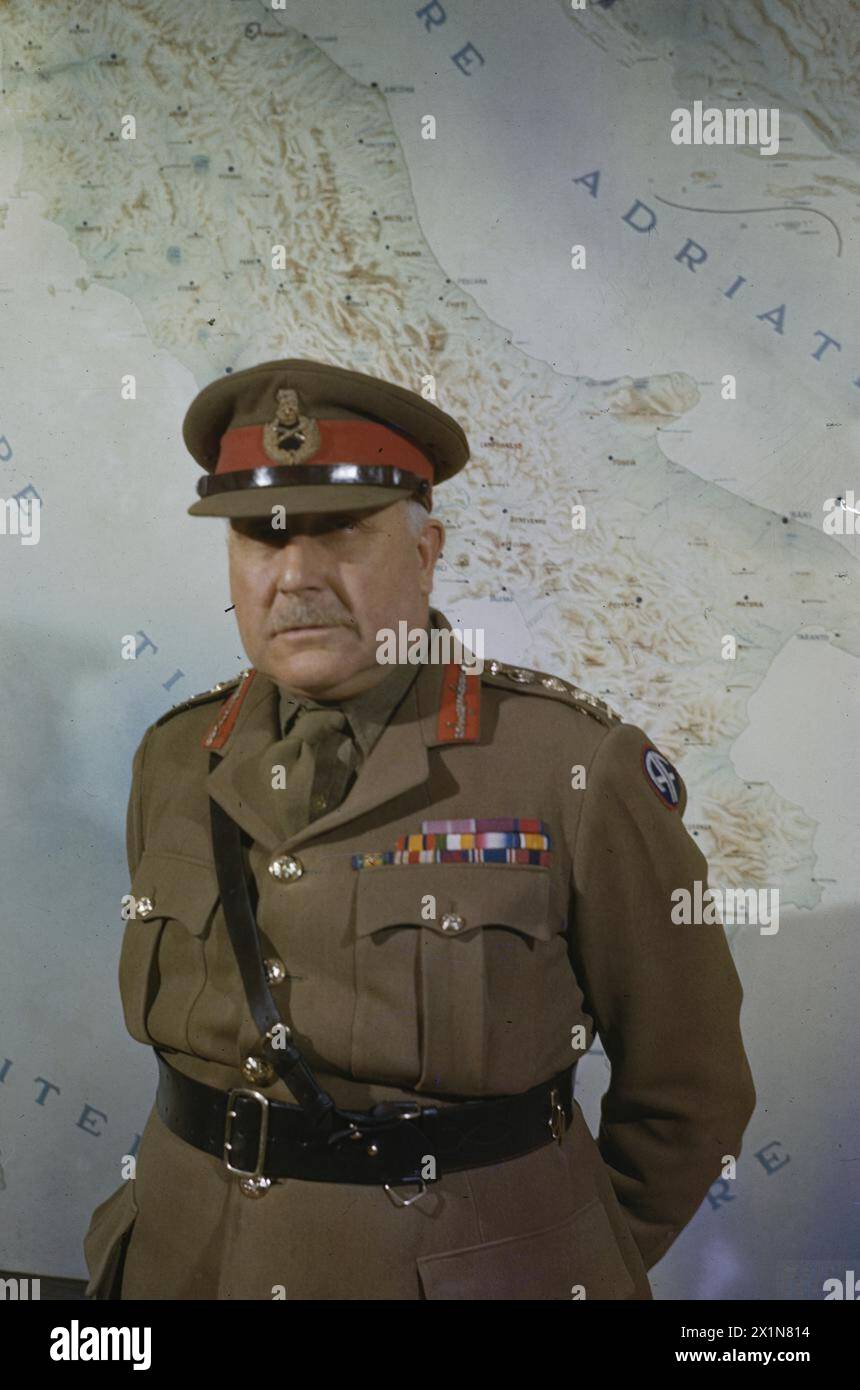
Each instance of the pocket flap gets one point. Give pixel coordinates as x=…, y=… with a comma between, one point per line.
x=169, y=885
x=548, y=1264
x=481, y=895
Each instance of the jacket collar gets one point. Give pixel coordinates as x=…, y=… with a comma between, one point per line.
x=368, y=713
x=442, y=706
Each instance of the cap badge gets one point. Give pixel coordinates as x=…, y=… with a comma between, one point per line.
x=290, y=437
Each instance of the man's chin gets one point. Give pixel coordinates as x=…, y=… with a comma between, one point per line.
x=313, y=659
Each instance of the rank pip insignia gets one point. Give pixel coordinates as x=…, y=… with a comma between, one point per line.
x=290, y=437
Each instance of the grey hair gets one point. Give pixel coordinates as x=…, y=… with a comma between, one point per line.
x=416, y=516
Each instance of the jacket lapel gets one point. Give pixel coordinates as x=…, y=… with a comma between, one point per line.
x=240, y=782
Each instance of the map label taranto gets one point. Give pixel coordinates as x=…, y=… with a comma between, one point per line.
x=734, y=126
x=640, y=217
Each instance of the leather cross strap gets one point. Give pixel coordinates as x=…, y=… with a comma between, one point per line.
x=287, y=1060
x=315, y=1140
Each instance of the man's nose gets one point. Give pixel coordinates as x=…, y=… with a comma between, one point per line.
x=301, y=562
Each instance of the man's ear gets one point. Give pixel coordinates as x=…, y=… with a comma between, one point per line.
x=430, y=542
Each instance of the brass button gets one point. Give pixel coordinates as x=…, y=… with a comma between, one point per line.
x=254, y=1187
x=285, y=868
x=318, y=803
x=373, y=1150
x=453, y=922
x=258, y=1070
x=144, y=906
x=276, y=971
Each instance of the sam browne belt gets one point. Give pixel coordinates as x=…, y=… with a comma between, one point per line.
x=394, y=1143
x=391, y=1144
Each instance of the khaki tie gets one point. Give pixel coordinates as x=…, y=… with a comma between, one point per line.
x=318, y=755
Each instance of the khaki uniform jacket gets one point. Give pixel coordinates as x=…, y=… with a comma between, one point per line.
x=386, y=1004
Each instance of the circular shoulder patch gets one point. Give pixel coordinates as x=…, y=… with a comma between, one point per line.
x=661, y=776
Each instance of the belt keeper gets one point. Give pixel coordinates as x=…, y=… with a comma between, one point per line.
x=557, y=1119
x=321, y=1113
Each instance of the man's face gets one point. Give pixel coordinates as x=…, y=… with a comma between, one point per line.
x=310, y=598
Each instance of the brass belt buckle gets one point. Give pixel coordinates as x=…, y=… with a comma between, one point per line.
x=253, y=1182
x=557, y=1120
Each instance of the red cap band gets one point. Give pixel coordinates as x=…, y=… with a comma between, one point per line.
x=341, y=441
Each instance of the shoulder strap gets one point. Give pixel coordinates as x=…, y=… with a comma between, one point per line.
x=287, y=1061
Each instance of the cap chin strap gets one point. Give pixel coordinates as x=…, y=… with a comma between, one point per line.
x=343, y=475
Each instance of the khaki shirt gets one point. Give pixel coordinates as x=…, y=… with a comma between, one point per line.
x=367, y=714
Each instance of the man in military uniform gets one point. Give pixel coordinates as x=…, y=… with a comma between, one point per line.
x=378, y=920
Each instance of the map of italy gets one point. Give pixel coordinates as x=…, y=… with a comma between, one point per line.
x=248, y=136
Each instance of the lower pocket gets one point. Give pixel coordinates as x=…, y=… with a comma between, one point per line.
x=106, y=1242
x=555, y=1263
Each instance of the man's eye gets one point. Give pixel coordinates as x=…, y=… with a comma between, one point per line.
x=347, y=523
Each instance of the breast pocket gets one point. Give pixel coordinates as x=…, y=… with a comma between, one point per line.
x=454, y=965
x=162, y=963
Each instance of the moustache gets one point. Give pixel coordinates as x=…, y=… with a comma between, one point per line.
x=308, y=613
